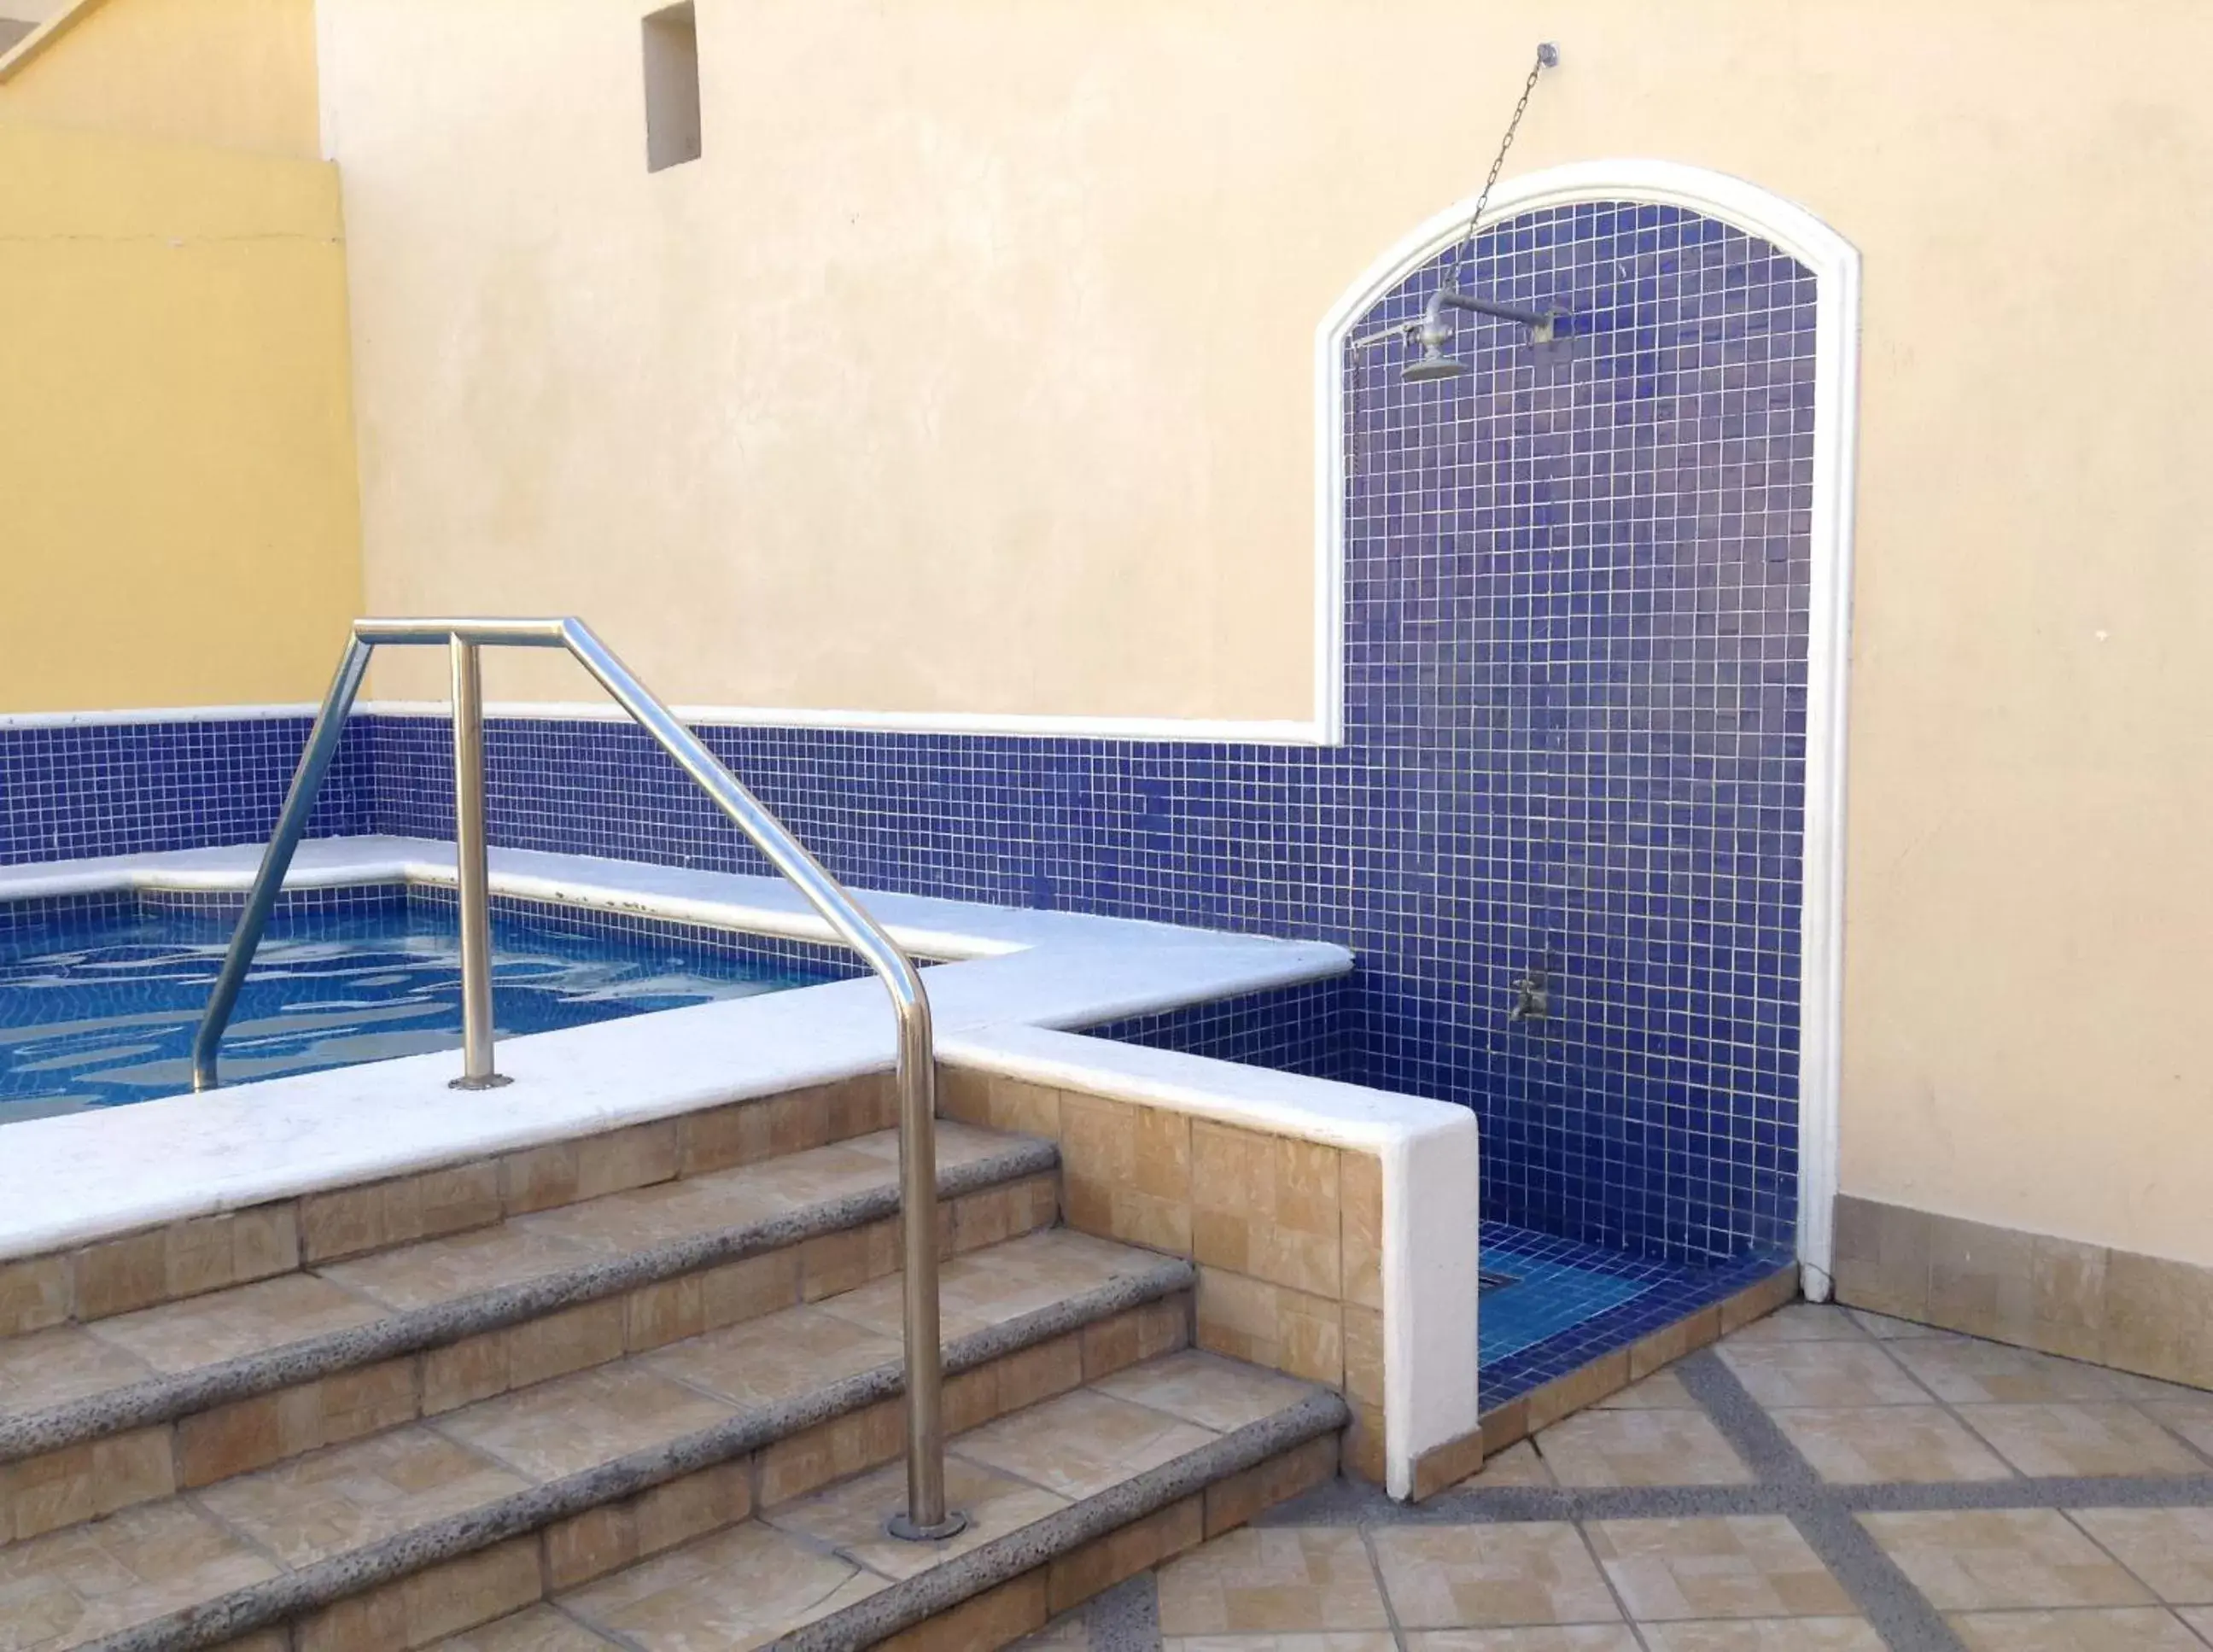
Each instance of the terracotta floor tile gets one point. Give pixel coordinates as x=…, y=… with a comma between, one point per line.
x=334, y=1501
x=1491, y=1576
x=1864, y=1444
x=1518, y=1465
x=762, y=1361
x=1081, y=1443
x=2129, y=1629
x=1734, y=1566
x=1985, y=1560
x=1799, y=1322
x=1269, y=1580
x=1820, y=1374
x=849, y=1518
x=1206, y=1389
x=576, y=1421
x=1566, y=1637
x=736, y=1590
x=2169, y=1550
x=541, y=1629
x=1969, y=1373
x=2190, y=1418
x=1341, y=1640
x=2080, y=1439
x=1886, y=1329
x=47, y=1368
x=90, y=1581
x=989, y=1286
x=1765, y=1635
x=230, y=1324
x=1663, y=1391
x=1640, y=1448
x=439, y=1270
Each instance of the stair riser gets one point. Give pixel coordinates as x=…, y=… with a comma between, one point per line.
x=559, y=1536
x=191, y=1258
x=182, y=1434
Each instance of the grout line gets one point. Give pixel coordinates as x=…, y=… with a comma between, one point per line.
x=1383, y=1587
x=1582, y=1533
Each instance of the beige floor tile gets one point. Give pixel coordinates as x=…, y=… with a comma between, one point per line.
x=1886, y=1329
x=1206, y=1389
x=958, y=1144
x=1068, y=1633
x=1968, y=1372
x=1735, y=1566
x=574, y=1422
x=2169, y=1550
x=230, y=1324
x=1081, y=1443
x=1987, y=1560
x=1663, y=1391
x=728, y=1593
x=2199, y=1619
x=850, y=1517
x=48, y=1367
x=1491, y=1576
x=2080, y=1439
x=1345, y=1640
x=2190, y=1418
x=2128, y=1629
x=623, y=1223
x=439, y=1270
x=1865, y=1445
x=1518, y=1465
x=989, y=1286
x=335, y=1501
x=541, y=1629
x=2127, y=1385
x=1799, y=1322
x=1640, y=1448
x=90, y=1581
x=1765, y=1635
x=1569, y=1637
x=1821, y=1374
x=1272, y=1580
x=759, y=1361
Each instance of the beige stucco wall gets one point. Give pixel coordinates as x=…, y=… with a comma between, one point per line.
x=970, y=370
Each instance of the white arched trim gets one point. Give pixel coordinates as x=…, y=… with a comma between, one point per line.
x=1835, y=265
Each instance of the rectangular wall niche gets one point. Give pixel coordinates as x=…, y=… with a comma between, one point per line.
x=672, y=87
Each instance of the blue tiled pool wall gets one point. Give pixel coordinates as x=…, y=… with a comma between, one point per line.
x=1577, y=590
x=1299, y=1030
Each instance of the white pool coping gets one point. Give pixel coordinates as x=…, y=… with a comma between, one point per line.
x=1014, y=977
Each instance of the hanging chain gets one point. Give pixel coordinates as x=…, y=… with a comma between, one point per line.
x=1546, y=56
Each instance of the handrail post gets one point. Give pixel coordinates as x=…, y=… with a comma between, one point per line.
x=472, y=877
x=925, y=1515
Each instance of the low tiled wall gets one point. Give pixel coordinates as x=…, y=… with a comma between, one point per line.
x=1287, y=1231
x=2142, y=1313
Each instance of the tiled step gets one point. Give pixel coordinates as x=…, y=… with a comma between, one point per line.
x=99, y=1417
x=422, y=1528
x=1065, y=1499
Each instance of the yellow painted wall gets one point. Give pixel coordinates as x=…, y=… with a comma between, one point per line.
x=236, y=73
x=181, y=524
x=970, y=370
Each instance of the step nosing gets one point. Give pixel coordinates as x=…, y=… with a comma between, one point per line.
x=273, y=1600
x=164, y=1399
x=911, y=1601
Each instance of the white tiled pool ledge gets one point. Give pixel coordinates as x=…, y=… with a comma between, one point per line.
x=79, y=1177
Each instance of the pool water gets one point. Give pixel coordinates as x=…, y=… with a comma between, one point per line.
x=98, y=1007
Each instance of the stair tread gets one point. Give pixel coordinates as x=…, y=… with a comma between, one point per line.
x=801, y=1563
x=52, y=1382
x=557, y=1440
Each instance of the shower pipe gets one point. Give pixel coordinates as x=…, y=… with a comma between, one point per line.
x=925, y=1515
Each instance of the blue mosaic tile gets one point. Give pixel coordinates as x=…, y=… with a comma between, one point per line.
x=1576, y=586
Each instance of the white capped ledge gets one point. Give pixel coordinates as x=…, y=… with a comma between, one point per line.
x=74, y=1178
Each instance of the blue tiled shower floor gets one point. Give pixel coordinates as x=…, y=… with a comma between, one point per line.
x=1551, y=1306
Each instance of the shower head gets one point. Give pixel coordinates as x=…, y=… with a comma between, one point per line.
x=1433, y=330
x=1432, y=364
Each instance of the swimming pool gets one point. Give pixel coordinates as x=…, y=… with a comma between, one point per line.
x=100, y=995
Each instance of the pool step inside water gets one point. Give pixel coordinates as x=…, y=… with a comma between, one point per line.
x=400, y=1438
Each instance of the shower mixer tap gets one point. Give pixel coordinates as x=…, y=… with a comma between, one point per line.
x=1532, y=997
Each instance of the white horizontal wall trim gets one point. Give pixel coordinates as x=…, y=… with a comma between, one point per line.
x=150, y=714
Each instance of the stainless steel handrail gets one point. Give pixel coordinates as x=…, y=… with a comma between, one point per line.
x=926, y=1515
